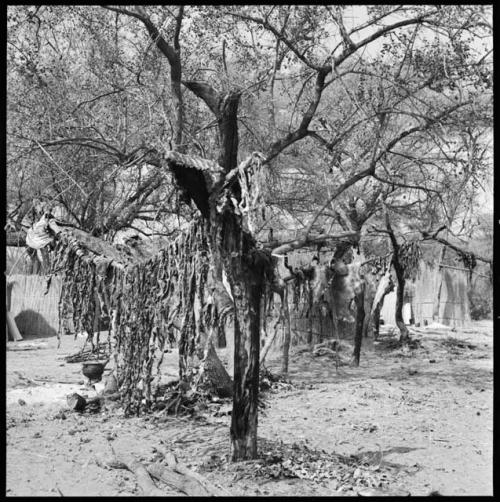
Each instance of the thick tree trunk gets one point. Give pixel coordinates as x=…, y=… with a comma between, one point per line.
x=247, y=296
x=360, y=318
x=228, y=127
x=237, y=253
x=245, y=267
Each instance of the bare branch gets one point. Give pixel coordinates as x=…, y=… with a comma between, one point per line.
x=153, y=31
x=178, y=24
x=96, y=98
x=279, y=34
x=301, y=132
x=459, y=250
x=307, y=241
x=348, y=51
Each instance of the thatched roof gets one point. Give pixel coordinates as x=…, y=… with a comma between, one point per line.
x=196, y=176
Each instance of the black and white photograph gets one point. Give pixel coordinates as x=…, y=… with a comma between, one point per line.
x=249, y=250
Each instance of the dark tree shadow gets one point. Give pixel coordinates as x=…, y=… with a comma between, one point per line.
x=33, y=325
x=378, y=457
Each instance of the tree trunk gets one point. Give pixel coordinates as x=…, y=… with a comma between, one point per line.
x=310, y=340
x=399, y=269
x=228, y=127
x=405, y=335
x=360, y=318
x=235, y=251
x=384, y=287
x=245, y=268
x=375, y=319
x=247, y=296
x=288, y=335
x=437, y=300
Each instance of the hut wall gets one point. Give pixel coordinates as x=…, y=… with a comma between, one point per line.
x=454, y=309
x=36, y=313
x=425, y=294
x=452, y=285
x=18, y=262
x=388, y=310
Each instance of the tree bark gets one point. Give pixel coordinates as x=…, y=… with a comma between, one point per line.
x=228, y=130
x=405, y=335
x=437, y=300
x=225, y=109
x=398, y=268
x=247, y=295
x=375, y=320
x=235, y=252
x=288, y=334
x=360, y=318
x=384, y=287
x=183, y=479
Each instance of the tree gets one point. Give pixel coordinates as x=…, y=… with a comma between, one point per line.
x=218, y=60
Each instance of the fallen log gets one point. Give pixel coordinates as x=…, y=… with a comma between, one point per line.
x=144, y=479
x=175, y=480
x=141, y=473
x=209, y=488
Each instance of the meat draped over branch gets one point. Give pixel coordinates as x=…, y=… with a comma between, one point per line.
x=145, y=293
x=143, y=299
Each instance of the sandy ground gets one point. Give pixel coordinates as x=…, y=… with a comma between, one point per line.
x=427, y=414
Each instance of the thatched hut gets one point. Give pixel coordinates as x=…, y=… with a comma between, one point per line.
x=439, y=293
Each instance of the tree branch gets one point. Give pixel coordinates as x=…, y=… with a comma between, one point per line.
x=278, y=146
x=433, y=236
x=206, y=93
x=348, y=51
x=278, y=34
x=153, y=31
x=306, y=241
